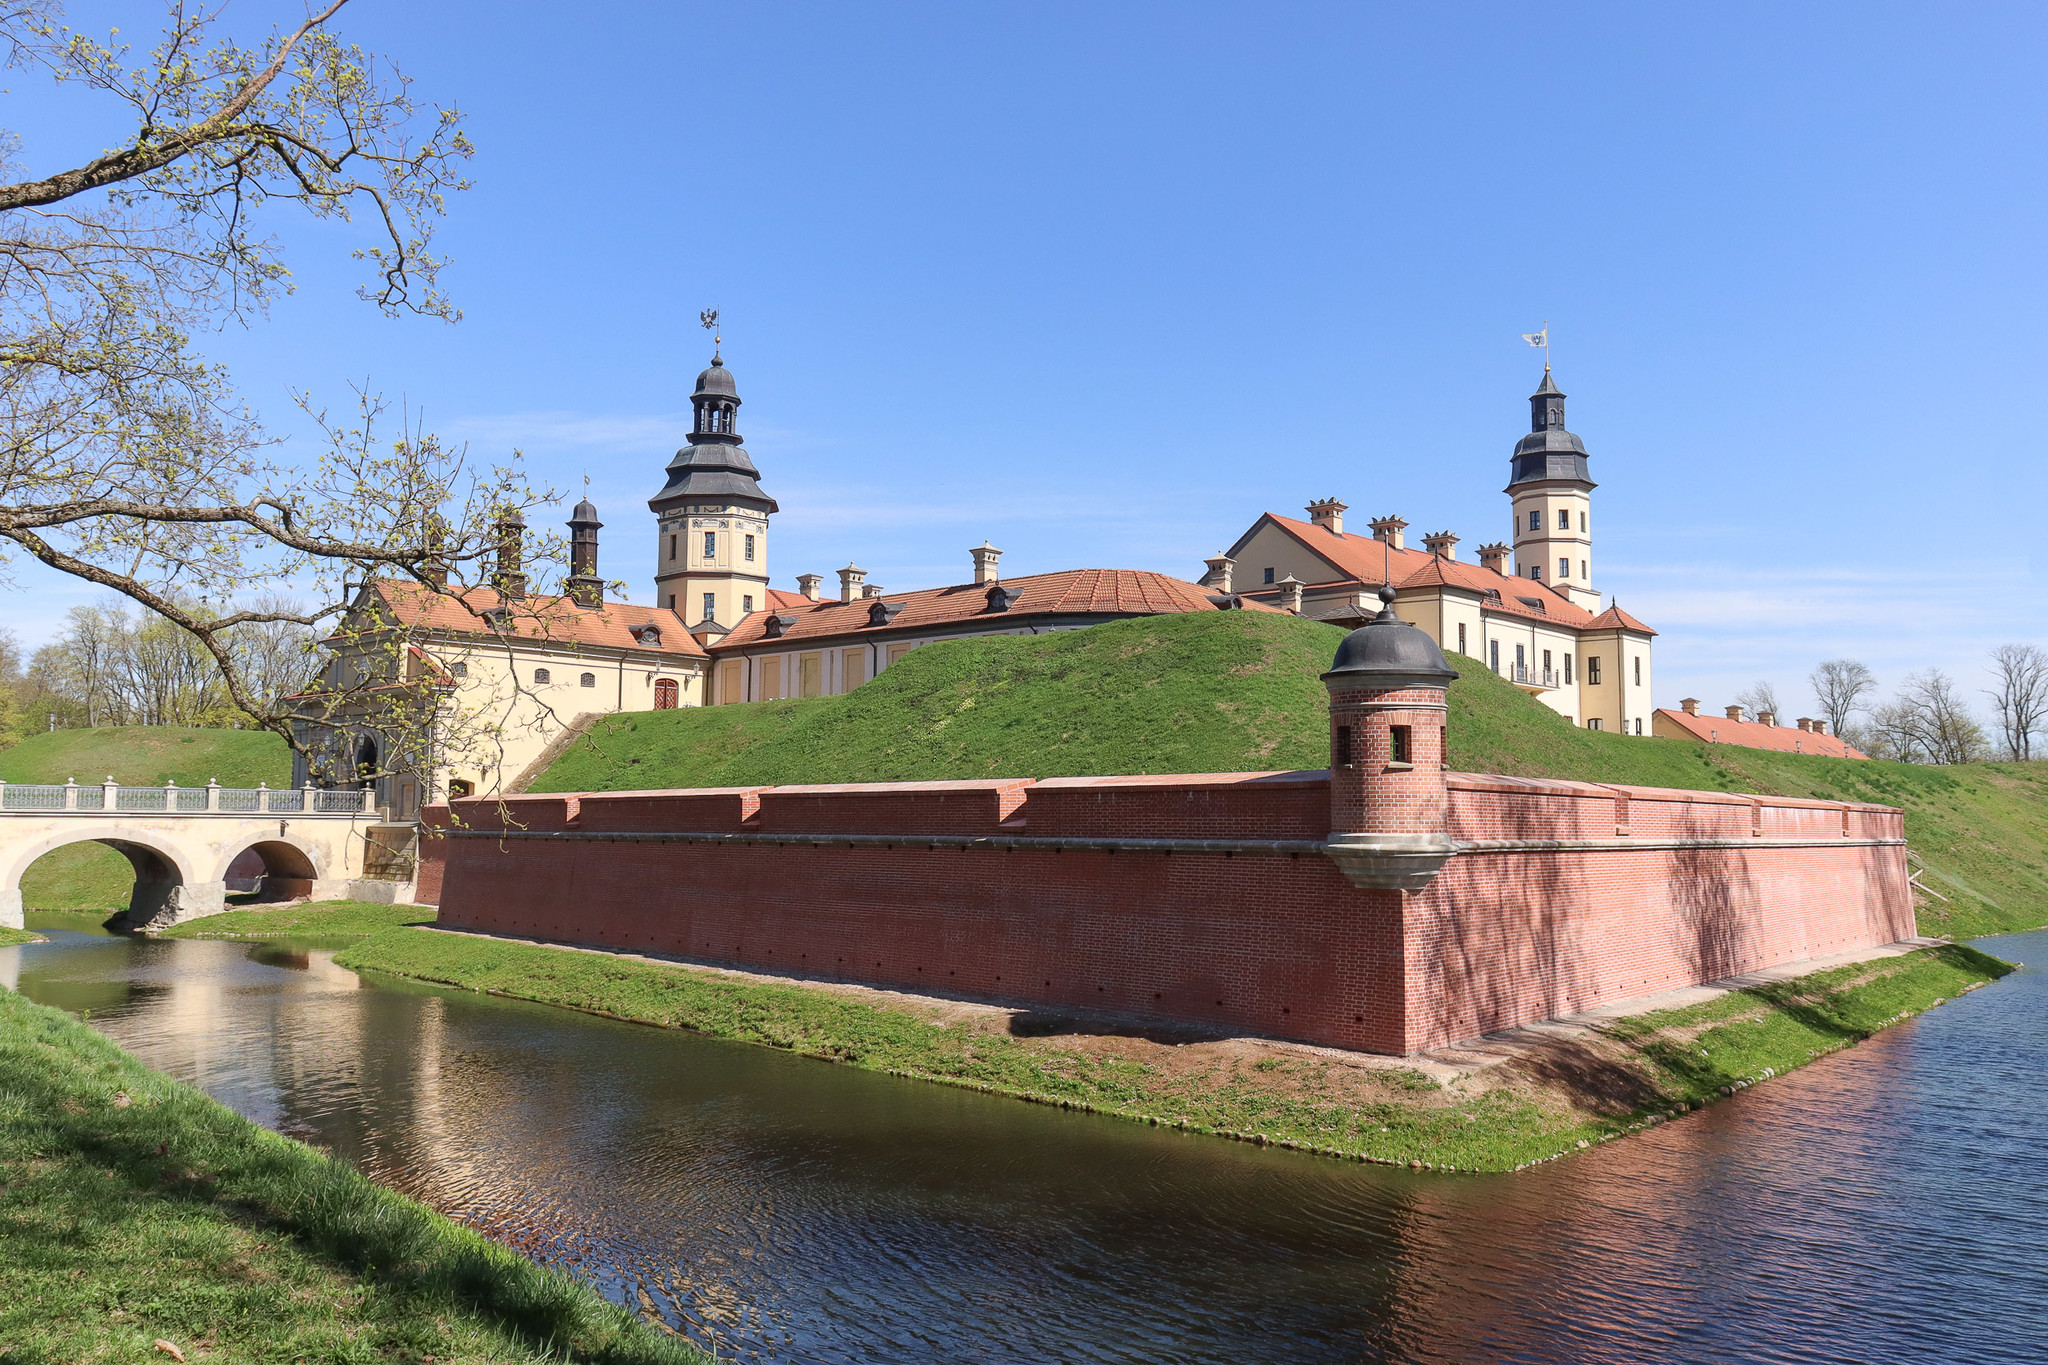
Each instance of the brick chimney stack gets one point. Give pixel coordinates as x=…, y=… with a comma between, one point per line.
x=1290, y=593
x=850, y=579
x=1222, y=568
x=1733, y=713
x=1442, y=544
x=510, y=578
x=1389, y=798
x=1328, y=514
x=1820, y=727
x=1495, y=557
x=985, y=557
x=1389, y=529
x=868, y=590
x=807, y=584
x=1767, y=718
x=1689, y=705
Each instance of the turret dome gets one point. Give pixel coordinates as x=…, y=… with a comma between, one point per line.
x=1390, y=652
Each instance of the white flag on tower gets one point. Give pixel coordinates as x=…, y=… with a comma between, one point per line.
x=1541, y=338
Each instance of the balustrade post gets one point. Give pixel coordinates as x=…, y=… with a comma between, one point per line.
x=306, y=797
x=70, y=793
x=262, y=797
x=170, y=795
x=3, y=793
x=213, y=793
x=110, y=794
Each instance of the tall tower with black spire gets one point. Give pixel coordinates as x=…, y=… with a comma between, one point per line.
x=1552, y=497
x=711, y=559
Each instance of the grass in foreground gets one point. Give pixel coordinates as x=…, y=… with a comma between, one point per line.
x=304, y=919
x=11, y=937
x=1503, y=1119
x=136, y=1211
x=1239, y=691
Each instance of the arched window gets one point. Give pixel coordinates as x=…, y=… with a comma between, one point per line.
x=541, y=677
x=665, y=694
x=589, y=679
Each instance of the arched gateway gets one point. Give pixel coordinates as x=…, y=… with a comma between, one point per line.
x=182, y=842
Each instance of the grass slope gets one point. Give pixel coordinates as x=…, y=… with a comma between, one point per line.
x=93, y=876
x=135, y=1212
x=304, y=919
x=1512, y=1116
x=1239, y=691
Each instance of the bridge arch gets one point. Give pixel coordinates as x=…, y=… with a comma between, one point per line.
x=290, y=865
x=163, y=869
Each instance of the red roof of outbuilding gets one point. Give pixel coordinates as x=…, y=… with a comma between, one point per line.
x=1616, y=619
x=538, y=620
x=1752, y=734
x=1084, y=592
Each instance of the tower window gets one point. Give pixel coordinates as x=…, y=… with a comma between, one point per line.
x=1493, y=654
x=1593, y=672
x=1567, y=670
x=1536, y=572
x=1582, y=570
x=541, y=677
x=1639, y=670
x=1269, y=575
x=750, y=549
x=671, y=601
x=671, y=547
x=588, y=680
x=1564, y=520
x=747, y=602
x=1535, y=521
x=1461, y=637
x=1340, y=747
x=710, y=544
x=710, y=607
x=1582, y=521
x=1564, y=568
x=1398, y=745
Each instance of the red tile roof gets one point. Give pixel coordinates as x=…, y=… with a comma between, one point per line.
x=1361, y=558
x=541, y=620
x=1615, y=618
x=1083, y=592
x=1755, y=735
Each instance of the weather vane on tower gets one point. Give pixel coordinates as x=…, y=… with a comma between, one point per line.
x=709, y=317
x=1540, y=340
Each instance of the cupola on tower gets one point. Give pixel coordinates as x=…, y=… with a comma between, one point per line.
x=1553, y=503
x=711, y=560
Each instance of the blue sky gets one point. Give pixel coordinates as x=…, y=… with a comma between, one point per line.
x=1102, y=282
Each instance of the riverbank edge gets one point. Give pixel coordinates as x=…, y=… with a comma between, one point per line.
x=1764, y=1032
x=93, y=1115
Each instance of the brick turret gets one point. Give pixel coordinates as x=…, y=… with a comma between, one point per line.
x=1389, y=799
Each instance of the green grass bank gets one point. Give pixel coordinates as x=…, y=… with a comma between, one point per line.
x=135, y=1212
x=303, y=919
x=92, y=876
x=1542, y=1106
x=1239, y=691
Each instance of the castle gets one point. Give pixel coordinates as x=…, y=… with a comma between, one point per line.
x=719, y=632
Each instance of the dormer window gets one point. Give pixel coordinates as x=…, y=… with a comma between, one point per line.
x=649, y=636
x=498, y=618
x=881, y=613
x=777, y=625
x=1000, y=597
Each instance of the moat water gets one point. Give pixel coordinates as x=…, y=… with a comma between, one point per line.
x=1889, y=1203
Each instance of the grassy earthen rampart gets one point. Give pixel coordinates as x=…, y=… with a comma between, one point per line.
x=140, y=1220
x=1636, y=1071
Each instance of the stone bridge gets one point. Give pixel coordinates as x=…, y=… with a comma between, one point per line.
x=183, y=841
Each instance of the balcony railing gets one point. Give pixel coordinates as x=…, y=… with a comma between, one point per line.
x=1537, y=677
x=171, y=799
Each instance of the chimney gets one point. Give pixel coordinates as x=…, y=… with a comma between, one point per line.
x=870, y=590
x=1389, y=529
x=1734, y=713
x=1767, y=718
x=1442, y=544
x=807, y=584
x=1495, y=557
x=1804, y=723
x=1290, y=594
x=1221, y=567
x=434, y=568
x=1820, y=727
x=985, y=557
x=850, y=579
x=586, y=589
x=1689, y=705
x=1328, y=514
x=509, y=580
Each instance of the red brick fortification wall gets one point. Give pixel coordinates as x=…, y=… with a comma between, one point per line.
x=1200, y=898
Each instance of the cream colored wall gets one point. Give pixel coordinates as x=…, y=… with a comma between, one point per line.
x=687, y=573
x=1619, y=697
x=495, y=730
x=1272, y=548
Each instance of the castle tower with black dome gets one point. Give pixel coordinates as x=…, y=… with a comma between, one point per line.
x=1552, y=493
x=711, y=563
